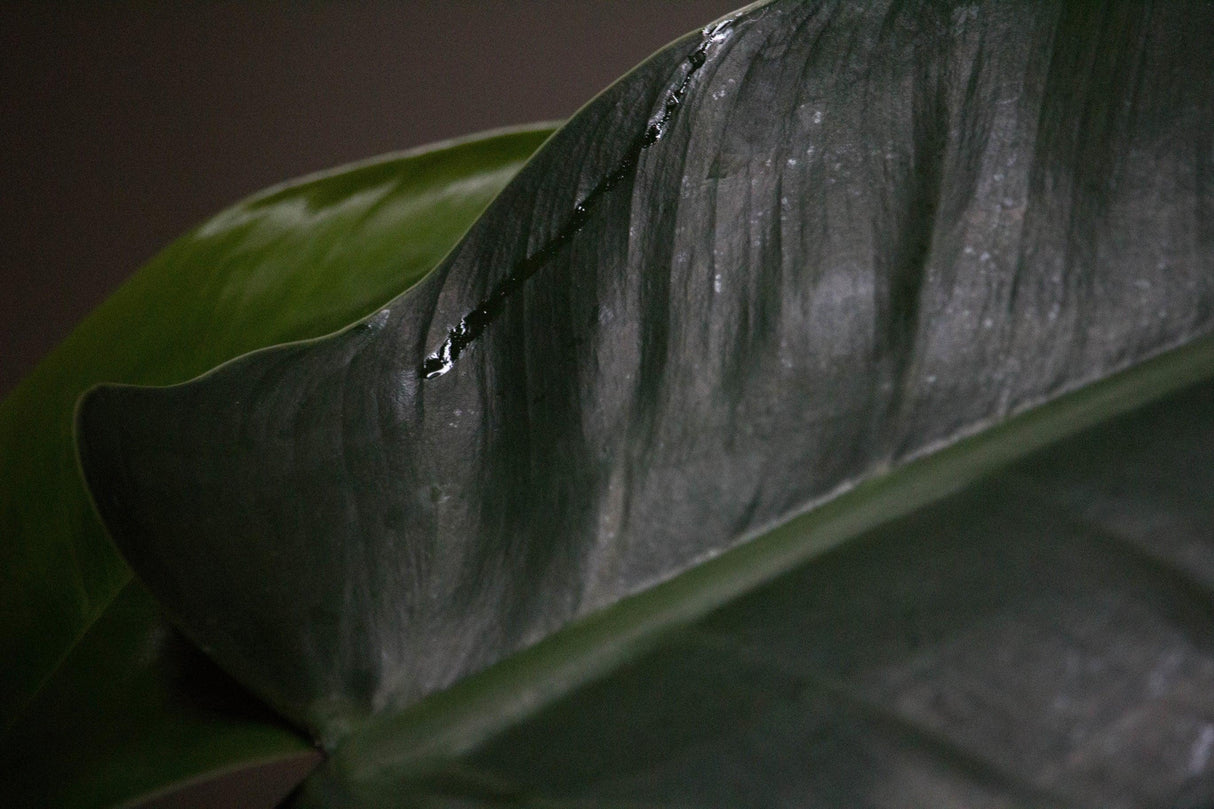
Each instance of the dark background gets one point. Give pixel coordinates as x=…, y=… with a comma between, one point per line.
x=124, y=124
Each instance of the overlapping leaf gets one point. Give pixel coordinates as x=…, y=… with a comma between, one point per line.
x=785, y=258
x=94, y=704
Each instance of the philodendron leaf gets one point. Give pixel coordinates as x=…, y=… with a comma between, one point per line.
x=92, y=705
x=819, y=266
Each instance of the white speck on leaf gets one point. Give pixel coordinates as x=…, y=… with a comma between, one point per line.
x=1199, y=755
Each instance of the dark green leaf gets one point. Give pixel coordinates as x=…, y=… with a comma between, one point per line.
x=934, y=637
x=786, y=267
x=295, y=261
x=134, y=710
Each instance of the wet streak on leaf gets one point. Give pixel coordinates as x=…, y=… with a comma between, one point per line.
x=476, y=321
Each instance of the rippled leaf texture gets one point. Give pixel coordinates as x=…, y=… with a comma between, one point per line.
x=94, y=705
x=804, y=252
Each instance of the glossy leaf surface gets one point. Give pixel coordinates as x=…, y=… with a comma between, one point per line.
x=938, y=636
x=295, y=261
x=800, y=253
